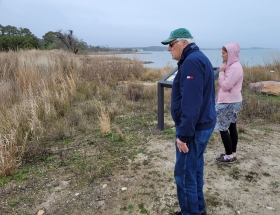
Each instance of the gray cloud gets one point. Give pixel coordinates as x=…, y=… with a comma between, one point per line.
x=130, y=23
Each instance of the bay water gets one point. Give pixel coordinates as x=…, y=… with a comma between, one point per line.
x=248, y=57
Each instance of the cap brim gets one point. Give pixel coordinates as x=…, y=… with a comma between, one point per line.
x=165, y=42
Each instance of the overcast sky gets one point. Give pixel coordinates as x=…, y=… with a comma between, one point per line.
x=140, y=23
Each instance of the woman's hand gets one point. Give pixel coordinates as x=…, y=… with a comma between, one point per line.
x=223, y=68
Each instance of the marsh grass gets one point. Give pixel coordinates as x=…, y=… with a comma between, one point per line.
x=256, y=105
x=104, y=121
x=11, y=154
x=51, y=96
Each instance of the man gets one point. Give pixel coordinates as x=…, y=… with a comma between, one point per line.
x=193, y=111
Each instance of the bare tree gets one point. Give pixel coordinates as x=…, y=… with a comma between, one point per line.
x=69, y=40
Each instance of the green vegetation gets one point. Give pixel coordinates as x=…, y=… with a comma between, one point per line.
x=213, y=201
x=15, y=39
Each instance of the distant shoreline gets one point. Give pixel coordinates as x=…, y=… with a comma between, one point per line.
x=164, y=48
x=159, y=59
x=148, y=50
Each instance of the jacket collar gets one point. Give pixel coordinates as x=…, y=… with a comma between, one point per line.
x=186, y=51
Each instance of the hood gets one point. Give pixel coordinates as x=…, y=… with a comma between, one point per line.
x=233, y=50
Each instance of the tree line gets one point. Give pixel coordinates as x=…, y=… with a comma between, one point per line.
x=14, y=39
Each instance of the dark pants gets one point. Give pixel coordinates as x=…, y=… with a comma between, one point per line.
x=230, y=139
x=188, y=174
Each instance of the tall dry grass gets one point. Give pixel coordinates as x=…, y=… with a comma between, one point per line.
x=51, y=95
x=11, y=154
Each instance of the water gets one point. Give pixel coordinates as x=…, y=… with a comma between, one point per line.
x=248, y=57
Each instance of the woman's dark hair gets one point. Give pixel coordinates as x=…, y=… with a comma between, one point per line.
x=224, y=49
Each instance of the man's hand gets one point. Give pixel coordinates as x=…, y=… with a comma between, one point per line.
x=182, y=146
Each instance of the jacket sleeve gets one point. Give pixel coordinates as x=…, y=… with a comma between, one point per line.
x=229, y=78
x=192, y=98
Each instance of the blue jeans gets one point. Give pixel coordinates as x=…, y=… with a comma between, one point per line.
x=188, y=174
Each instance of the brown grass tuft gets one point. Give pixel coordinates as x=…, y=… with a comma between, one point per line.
x=11, y=153
x=104, y=120
x=134, y=91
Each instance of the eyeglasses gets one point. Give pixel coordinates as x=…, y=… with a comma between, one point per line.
x=172, y=43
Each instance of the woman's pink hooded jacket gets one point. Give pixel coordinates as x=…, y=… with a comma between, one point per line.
x=230, y=81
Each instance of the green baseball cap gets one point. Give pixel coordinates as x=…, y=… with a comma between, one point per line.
x=178, y=33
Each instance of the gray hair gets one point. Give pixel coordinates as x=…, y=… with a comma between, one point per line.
x=190, y=40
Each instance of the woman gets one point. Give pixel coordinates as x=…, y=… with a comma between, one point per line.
x=229, y=101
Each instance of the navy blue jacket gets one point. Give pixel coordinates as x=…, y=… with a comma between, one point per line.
x=193, y=94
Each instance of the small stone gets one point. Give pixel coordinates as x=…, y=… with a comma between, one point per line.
x=104, y=185
x=270, y=208
x=40, y=212
x=76, y=194
x=124, y=188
